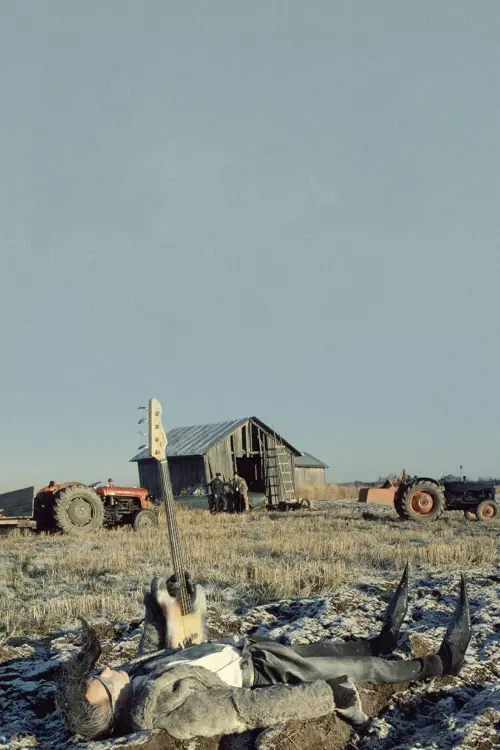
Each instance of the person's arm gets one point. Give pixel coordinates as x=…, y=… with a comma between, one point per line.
x=155, y=632
x=154, y=628
x=206, y=712
x=200, y=708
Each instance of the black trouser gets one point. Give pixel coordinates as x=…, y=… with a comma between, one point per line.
x=275, y=663
x=216, y=503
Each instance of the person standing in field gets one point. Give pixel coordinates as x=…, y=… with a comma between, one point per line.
x=217, y=493
x=240, y=489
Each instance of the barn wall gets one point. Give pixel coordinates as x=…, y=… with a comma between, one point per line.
x=219, y=458
x=309, y=476
x=149, y=476
x=238, y=443
x=184, y=473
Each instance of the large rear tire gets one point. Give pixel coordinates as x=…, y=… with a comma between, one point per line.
x=398, y=507
x=488, y=510
x=78, y=510
x=423, y=501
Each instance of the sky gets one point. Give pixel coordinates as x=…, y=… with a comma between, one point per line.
x=279, y=208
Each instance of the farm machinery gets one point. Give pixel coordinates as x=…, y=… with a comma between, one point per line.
x=77, y=508
x=425, y=499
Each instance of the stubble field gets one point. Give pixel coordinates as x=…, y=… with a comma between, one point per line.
x=298, y=576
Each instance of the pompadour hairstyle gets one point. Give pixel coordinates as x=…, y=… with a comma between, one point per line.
x=79, y=716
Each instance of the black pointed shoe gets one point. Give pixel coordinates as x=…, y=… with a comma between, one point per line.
x=458, y=634
x=394, y=616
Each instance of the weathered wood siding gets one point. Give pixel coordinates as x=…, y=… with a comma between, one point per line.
x=309, y=476
x=184, y=473
x=219, y=458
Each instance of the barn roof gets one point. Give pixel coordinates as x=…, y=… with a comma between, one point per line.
x=306, y=461
x=196, y=440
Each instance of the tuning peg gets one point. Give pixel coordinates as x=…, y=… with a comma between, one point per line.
x=141, y=447
x=143, y=420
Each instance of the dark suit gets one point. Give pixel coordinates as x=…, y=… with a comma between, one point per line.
x=217, y=490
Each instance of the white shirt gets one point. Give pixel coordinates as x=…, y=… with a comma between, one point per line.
x=225, y=663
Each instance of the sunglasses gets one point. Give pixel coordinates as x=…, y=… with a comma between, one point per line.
x=109, y=688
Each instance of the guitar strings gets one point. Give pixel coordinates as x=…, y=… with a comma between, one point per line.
x=177, y=552
x=174, y=534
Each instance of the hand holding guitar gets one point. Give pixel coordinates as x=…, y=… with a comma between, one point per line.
x=167, y=594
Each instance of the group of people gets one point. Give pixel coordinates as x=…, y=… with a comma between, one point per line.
x=228, y=496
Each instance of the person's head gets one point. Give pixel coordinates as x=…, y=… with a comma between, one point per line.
x=90, y=704
x=235, y=474
x=218, y=474
x=110, y=481
x=52, y=483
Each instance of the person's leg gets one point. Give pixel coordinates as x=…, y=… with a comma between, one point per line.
x=330, y=664
x=354, y=648
x=384, y=643
x=244, y=495
x=377, y=671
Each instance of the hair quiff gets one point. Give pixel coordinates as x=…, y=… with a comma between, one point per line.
x=80, y=717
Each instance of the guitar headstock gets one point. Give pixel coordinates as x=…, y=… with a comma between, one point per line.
x=157, y=435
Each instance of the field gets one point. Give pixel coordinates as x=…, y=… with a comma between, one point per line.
x=298, y=576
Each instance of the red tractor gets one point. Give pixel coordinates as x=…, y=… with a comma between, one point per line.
x=77, y=508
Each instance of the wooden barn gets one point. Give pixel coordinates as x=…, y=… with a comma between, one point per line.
x=195, y=454
x=309, y=470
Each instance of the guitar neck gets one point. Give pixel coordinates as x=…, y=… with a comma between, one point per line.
x=174, y=536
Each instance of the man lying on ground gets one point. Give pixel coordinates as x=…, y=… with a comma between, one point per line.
x=237, y=683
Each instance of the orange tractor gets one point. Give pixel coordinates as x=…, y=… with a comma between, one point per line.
x=77, y=508
x=424, y=499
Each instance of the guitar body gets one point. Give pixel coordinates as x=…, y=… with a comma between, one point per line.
x=185, y=629
x=185, y=613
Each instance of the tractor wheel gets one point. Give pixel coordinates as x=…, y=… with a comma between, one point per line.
x=423, y=501
x=470, y=515
x=487, y=510
x=145, y=520
x=78, y=510
x=398, y=507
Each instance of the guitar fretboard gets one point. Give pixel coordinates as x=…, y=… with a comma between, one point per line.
x=174, y=536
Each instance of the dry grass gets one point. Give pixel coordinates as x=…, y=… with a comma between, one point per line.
x=326, y=492
x=46, y=581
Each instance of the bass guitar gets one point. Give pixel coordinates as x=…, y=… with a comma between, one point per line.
x=185, y=612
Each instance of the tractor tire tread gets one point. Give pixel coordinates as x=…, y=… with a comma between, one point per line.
x=62, y=502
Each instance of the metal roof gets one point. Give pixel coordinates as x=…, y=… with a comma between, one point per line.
x=197, y=439
x=306, y=461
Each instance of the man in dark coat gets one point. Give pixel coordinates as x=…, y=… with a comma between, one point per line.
x=217, y=493
x=238, y=683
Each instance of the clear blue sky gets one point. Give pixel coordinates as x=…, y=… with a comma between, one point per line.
x=285, y=209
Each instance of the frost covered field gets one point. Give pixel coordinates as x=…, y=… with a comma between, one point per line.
x=299, y=577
